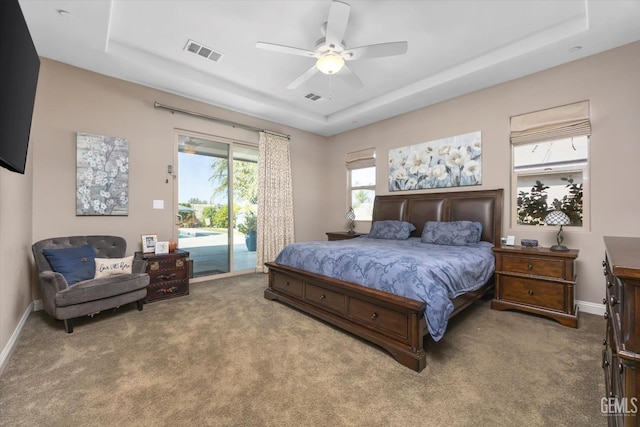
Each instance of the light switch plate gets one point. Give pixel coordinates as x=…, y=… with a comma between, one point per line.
x=158, y=204
x=511, y=240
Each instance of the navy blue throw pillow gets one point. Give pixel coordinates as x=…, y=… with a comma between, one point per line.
x=75, y=264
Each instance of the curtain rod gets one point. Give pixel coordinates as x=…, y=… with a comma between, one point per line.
x=217, y=120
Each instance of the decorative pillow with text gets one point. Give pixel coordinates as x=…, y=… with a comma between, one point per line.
x=112, y=266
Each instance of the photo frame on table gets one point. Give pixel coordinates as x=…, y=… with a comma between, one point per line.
x=149, y=242
x=162, y=247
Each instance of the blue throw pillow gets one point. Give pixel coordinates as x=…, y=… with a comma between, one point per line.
x=75, y=264
x=391, y=230
x=453, y=233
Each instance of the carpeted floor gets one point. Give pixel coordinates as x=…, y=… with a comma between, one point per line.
x=225, y=356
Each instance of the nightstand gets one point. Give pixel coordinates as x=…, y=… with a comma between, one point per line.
x=168, y=274
x=342, y=235
x=536, y=280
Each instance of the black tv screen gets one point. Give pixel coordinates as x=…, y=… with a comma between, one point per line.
x=19, y=67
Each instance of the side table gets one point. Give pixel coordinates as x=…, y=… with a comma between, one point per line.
x=342, y=235
x=168, y=274
x=536, y=280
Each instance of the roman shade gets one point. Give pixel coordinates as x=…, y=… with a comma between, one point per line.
x=361, y=159
x=562, y=122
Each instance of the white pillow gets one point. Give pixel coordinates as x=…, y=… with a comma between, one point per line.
x=111, y=266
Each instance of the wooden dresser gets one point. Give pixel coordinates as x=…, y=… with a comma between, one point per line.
x=536, y=280
x=621, y=355
x=168, y=274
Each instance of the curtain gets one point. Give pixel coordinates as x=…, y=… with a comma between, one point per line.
x=554, y=123
x=275, y=198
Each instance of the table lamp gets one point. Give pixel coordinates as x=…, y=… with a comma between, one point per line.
x=557, y=217
x=351, y=217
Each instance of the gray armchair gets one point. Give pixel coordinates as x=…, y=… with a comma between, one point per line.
x=88, y=297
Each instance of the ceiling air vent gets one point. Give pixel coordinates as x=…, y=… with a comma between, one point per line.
x=313, y=97
x=201, y=50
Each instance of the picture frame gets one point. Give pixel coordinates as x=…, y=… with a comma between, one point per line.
x=162, y=247
x=149, y=242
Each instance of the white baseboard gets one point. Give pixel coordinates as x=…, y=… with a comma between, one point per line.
x=10, y=347
x=38, y=305
x=590, y=307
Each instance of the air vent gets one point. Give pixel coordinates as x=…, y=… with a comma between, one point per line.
x=201, y=50
x=313, y=97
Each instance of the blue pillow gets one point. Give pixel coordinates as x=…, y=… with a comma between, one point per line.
x=391, y=230
x=453, y=233
x=75, y=264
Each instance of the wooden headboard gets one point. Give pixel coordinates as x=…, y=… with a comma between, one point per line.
x=484, y=206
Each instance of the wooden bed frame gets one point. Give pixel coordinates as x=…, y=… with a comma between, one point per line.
x=395, y=323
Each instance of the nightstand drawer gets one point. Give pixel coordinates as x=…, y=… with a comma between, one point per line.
x=533, y=292
x=324, y=298
x=547, y=267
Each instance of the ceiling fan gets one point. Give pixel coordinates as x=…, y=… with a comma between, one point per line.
x=331, y=52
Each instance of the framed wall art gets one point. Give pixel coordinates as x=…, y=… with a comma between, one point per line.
x=102, y=175
x=449, y=162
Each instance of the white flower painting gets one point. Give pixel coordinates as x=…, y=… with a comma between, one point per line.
x=449, y=162
x=102, y=175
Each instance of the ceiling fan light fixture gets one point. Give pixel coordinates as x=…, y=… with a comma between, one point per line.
x=330, y=63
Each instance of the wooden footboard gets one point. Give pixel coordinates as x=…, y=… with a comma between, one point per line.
x=395, y=323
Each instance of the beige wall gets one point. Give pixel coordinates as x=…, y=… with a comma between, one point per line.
x=610, y=81
x=15, y=250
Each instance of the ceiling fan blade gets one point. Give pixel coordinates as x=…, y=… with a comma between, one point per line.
x=286, y=49
x=350, y=78
x=337, y=22
x=376, y=51
x=303, y=78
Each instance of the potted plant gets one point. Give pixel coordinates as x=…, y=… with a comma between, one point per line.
x=250, y=229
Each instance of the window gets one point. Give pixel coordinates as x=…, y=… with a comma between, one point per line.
x=551, y=165
x=361, y=167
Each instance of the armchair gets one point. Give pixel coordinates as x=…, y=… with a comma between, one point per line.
x=66, y=301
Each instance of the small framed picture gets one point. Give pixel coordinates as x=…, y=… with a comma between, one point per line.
x=162, y=247
x=149, y=243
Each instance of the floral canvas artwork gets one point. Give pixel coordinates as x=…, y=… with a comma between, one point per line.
x=449, y=162
x=102, y=175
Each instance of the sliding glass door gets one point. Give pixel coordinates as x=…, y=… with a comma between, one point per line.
x=216, y=215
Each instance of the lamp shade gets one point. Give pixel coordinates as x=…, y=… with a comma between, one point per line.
x=330, y=63
x=557, y=218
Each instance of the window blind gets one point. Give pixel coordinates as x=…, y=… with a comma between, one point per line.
x=361, y=159
x=554, y=123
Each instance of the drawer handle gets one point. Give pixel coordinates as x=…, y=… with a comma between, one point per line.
x=530, y=267
x=322, y=296
x=168, y=290
x=374, y=315
x=606, y=315
x=614, y=301
x=605, y=343
x=286, y=283
x=609, y=284
x=604, y=300
x=167, y=276
x=620, y=368
x=530, y=292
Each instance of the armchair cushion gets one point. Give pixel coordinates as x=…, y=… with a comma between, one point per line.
x=75, y=264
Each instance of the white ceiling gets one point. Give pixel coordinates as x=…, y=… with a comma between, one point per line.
x=455, y=47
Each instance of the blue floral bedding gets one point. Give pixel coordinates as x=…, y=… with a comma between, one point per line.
x=409, y=268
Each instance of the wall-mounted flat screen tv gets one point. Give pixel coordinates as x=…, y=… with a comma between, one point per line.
x=19, y=67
